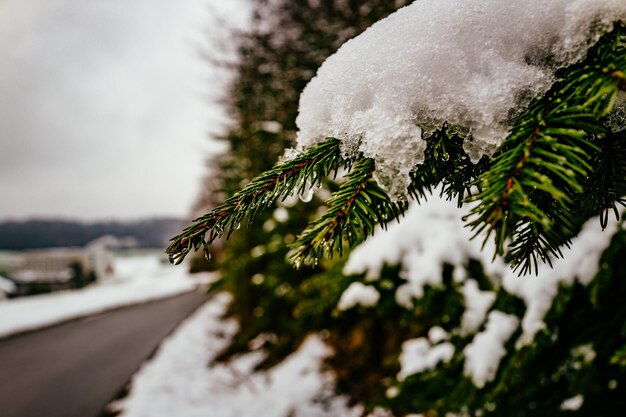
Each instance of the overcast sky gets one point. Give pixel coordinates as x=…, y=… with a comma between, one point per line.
x=105, y=106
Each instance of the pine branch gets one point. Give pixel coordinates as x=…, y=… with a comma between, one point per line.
x=360, y=204
x=529, y=191
x=354, y=210
x=605, y=188
x=295, y=175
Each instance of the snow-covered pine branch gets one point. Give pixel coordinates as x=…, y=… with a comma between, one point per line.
x=474, y=70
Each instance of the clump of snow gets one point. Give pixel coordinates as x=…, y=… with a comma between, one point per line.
x=469, y=63
x=484, y=353
x=436, y=334
x=270, y=126
x=573, y=404
x=358, y=294
x=459, y=275
x=179, y=382
x=419, y=355
x=477, y=303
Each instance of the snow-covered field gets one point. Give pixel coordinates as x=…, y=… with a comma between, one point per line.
x=138, y=278
x=180, y=380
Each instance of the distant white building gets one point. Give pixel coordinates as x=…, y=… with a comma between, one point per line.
x=46, y=270
x=101, y=258
x=7, y=287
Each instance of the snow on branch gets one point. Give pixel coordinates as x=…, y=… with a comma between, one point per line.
x=473, y=65
x=426, y=96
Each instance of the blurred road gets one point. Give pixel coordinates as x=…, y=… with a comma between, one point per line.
x=74, y=369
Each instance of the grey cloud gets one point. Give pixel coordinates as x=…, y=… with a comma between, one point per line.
x=102, y=106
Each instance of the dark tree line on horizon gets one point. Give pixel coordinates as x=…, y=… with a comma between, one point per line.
x=51, y=233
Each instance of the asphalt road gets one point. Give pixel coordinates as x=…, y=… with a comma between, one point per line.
x=76, y=368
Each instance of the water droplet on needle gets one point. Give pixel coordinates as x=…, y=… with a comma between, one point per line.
x=307, y=195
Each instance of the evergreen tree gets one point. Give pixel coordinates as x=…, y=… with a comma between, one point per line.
x=560, y=165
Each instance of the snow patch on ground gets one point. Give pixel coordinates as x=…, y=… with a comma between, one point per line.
x=181, y=381
x=137, y=279
x=467, y=63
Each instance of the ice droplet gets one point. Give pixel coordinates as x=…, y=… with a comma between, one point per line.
x=307, y=195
